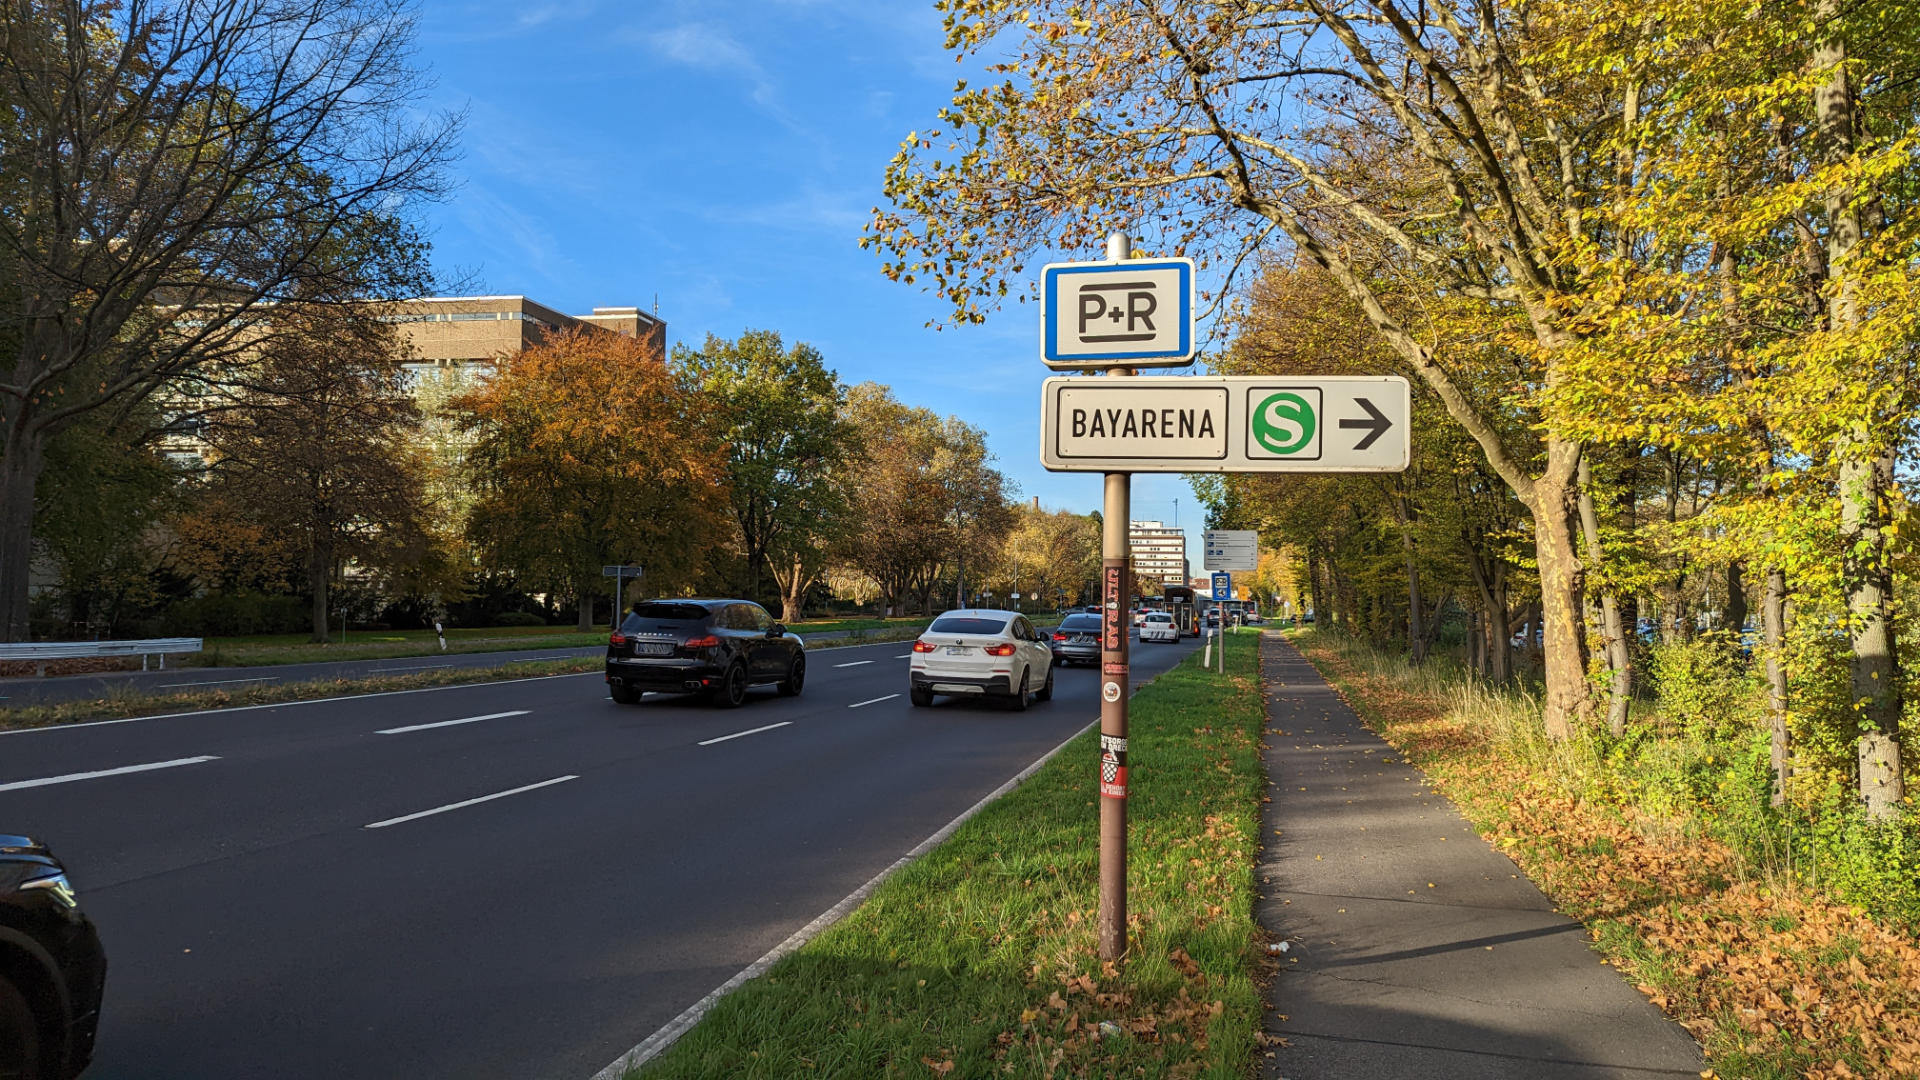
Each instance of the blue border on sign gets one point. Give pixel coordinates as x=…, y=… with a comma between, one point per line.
x=1049, y=328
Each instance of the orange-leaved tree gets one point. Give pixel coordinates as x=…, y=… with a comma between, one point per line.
x=588, y=449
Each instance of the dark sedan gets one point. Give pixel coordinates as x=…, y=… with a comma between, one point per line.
x=1077, y=640
x=52, y=970
x=713, y=647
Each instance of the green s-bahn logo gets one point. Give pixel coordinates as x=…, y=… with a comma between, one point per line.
x=1284, y=423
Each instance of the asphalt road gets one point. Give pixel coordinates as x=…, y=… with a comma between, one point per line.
x=376, y=887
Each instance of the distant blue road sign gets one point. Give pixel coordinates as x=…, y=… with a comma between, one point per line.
x=1223, y=586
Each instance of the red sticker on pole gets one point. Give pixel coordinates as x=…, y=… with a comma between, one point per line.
x=1113, y=626
x=1113, y=767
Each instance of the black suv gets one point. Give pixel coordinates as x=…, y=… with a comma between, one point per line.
x=52, y=971
x=714, y=647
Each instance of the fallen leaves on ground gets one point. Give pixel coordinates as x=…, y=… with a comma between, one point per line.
x=1772, y=978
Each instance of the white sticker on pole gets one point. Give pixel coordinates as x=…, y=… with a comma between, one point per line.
x=1111, y=692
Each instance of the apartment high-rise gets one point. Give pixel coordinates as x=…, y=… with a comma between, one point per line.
x=1159, y=552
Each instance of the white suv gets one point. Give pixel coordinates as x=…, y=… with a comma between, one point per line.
x=984, y=653
x=1159, y=626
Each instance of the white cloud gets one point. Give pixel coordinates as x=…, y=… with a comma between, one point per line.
x=706, y=47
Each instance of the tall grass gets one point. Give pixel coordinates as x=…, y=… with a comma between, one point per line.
x=1694, y=762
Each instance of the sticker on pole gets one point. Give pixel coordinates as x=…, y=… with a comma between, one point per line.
x=1111, y=692
x=1113, y=767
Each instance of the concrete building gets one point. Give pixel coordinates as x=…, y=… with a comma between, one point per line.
x=458, y=331
x=1159, y=552
x=451, y=337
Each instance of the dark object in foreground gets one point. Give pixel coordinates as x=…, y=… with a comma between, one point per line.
x=714, y=647
x=52, y=969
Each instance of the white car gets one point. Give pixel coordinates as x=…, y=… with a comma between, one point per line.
x=1159, y=626
x=981, y=653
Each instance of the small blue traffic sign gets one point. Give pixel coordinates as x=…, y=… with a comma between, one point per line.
x=1223, y=586
x=1138, y=312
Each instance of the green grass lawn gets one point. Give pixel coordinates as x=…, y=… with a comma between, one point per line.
x=980, y=960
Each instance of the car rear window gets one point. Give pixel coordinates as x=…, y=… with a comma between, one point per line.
x=1080, y=622
x=967, y=625
x=1159, y=617
x=658, y=611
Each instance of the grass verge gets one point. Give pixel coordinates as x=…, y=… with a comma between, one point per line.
x=1774, y=978
x=269, y=649
x=122, y=704
x=979, y=959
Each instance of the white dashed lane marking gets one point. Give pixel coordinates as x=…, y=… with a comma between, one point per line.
x=69, y=778
x=450, y=723
x=749, y=731
x=469, y=802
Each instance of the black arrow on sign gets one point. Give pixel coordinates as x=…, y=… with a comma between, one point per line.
x=1376, y=424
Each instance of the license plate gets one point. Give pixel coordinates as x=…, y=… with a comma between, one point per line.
x=1082, y=639
x=958, y=650
x=652, y=648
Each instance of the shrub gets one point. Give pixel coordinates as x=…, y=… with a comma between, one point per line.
x=518, y=618
x=236, y=614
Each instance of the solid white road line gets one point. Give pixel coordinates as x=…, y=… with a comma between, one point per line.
x=875, y=701
x=122, y=771
x=856, y=663
x=653, y=1044
x=469, y=802
x=450, y=723
x=218, y=682
x=417, y=667
x=750, y=731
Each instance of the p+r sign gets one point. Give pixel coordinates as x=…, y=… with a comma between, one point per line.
x=1137, y=313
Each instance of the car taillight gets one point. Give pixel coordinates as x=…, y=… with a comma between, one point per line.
x=922, y=646
x=617, y=638
x=1058, y=636
x=1000, y=650
x=707, y=642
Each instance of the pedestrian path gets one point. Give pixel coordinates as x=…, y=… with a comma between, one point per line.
x=1414, y=948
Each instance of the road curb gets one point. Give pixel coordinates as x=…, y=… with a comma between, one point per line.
x=657, y=1043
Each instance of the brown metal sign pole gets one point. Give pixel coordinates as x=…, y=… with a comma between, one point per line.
x=1116, y=586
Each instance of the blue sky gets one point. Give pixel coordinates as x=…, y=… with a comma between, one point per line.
x=723, y=155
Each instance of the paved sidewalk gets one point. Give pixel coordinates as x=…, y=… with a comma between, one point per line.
x=1416, y=949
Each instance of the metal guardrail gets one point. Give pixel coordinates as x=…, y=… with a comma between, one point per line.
x=42, y=651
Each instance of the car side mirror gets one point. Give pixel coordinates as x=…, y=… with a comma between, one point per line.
x=778, y=630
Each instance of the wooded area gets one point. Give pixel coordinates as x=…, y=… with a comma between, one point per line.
x=1650, y=267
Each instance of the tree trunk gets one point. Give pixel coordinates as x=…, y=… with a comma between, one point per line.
x=1873, y=675
x=1568, y=703
x=1500, y=629
x=319, y=577
x=1416, y=636
x=1612, y=632
x=583, y=606
x=1866, y=474
x=1313, y=584
x=1774, y=613
x=1736, y=609
x=20, y=466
